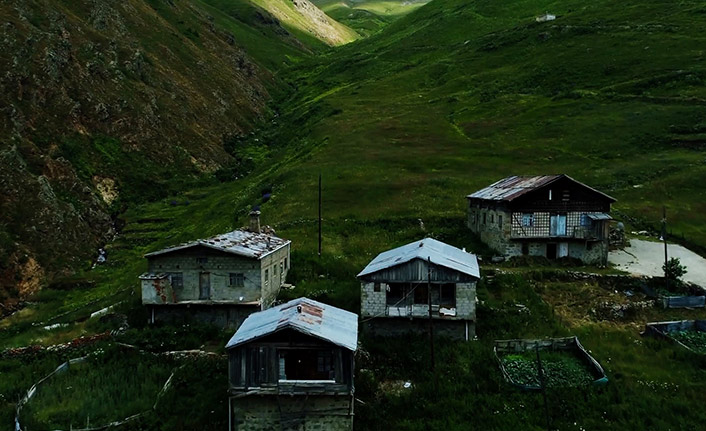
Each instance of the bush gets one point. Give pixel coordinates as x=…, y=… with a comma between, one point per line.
x=673, y=269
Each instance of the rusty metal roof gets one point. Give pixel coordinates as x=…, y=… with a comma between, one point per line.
x=428, y=248
x=515, y=186
x=303, y=315
x=240, y=242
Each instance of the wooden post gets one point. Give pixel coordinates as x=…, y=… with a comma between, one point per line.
x=431, y=320
x=319, y=215
x=542, y=386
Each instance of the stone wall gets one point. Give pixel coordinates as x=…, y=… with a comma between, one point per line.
x=372, y=303
x=222, y=315
x=292, y=413
x=466, y=301
x=458, y=330
x=218, y=266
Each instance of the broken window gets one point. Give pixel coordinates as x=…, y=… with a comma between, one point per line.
x=395, y=293
x=176, y=279
x=237, y=279
x=376, y=287
x=306, y=364
x=447, y=295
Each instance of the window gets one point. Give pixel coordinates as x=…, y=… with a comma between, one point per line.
x=281, y=267
x=484, y=217
x=585, y=220
x=395, y=293
x=237, y=279
x=421, y=295
x=176, y=279
x=376, y=287
x=285, y=263
x=492, y=218
x=527, y=220
x=550, y=194
x=274, y=270
x=267, y=276
x=565, y=196
x=447, y=295
x=201, y=260
x=500, y=221
x=306, y=364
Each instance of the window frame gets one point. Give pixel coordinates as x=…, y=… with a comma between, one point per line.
x=236, y=276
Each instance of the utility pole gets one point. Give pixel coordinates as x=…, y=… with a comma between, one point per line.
x=431, y=321
x=664, y=238
x=319, y=215
x=543, y=386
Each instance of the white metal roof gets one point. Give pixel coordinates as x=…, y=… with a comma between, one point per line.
x=304, y=315
x=428, y=248
x=241, y=242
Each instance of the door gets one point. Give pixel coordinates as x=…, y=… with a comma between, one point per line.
x=205, y=285
x=557, y=225
x=563, y=250
x=551, y=251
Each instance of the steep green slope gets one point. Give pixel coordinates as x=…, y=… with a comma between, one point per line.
x=459, y=94
x=104, y=103
x=367, y=16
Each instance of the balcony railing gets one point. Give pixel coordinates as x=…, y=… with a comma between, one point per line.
x=420, y=310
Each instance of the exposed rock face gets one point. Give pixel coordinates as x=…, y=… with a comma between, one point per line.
x=99, y=98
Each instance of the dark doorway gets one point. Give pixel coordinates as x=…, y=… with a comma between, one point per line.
x=551, y=251
x=205, y=285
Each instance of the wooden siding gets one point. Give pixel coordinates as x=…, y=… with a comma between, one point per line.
x=416, y=271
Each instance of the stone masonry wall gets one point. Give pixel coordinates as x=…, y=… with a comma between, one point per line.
x=372, y=303
x=466, y=301
x=292, y=413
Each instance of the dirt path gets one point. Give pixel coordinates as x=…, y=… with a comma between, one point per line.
x=647, y=258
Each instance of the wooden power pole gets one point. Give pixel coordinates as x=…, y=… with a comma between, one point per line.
x=664, y=238
x=431, y=320
x=319, y=215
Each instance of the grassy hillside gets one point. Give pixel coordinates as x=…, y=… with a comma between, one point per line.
x=107, y=104
x=458, y=94
x=367, y=16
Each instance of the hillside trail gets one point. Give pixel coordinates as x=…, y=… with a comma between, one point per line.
x=647, y=257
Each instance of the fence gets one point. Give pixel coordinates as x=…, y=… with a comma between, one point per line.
x=664, y=329
x=570, y=344
x=65, y=367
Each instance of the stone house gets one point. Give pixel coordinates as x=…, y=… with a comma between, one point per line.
x=291, y=368
x=549, y=215
x=398, y=285
x=220, y=280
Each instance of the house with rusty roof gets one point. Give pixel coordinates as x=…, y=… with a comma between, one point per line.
x=291, y=367
x=399, y=286
x=548, y=215
x=220, y=280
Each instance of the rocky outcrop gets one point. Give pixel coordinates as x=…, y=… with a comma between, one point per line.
x=99, y=101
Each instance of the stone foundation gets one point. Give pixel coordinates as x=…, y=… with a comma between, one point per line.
x=292, y=413
x=396, y=326
x=222, y=315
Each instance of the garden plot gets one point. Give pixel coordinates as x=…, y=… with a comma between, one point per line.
x=690, y=334
x=565, y=363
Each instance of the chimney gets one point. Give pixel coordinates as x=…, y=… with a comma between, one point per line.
x=254, y=221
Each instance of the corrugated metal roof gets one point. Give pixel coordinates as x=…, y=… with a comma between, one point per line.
x=439, y=252
x=515, y=186
x=509, y=188
x=317, y=319
x=599, y=216
x=240, y=242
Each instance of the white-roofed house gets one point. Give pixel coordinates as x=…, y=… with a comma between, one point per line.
x=220, y=280
x=546, y=215
x=396, y=285
x=291, y=367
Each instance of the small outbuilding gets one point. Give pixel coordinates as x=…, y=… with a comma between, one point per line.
x=220, y=280
x=291, y=368
x=399, y=284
